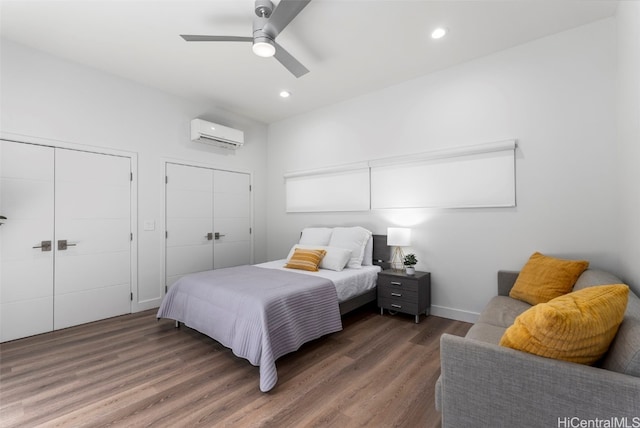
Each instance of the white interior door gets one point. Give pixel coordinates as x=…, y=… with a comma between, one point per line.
x=93, y=215
x=189, y=220
x=208, y=220
x=26, y=272
x=231, y=219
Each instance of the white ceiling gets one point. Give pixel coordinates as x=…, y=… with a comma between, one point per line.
x=351, y=47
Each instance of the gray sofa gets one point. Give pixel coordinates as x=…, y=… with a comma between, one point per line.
x=483, y=384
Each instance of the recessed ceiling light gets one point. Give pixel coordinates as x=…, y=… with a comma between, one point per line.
x=285, y=94
x=438, y=33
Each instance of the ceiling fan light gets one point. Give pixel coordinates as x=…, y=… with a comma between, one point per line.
x=264, y=48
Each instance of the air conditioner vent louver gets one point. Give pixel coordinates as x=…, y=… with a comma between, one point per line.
x=217, y=135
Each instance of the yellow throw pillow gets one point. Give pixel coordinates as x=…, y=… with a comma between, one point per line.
x=577, y=327
x=544, y=278
x=305, y=259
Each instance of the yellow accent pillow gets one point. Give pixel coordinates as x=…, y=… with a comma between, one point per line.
x=305, y=259
x=544, y=278
x=576, y=327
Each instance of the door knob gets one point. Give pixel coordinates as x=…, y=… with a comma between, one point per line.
x=218, y=235
x=209, y=236
x=2, y=218
x=44, y=245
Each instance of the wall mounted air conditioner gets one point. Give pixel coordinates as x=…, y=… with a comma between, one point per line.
x=217, y=135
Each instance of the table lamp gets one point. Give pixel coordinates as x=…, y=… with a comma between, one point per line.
x=398, y=237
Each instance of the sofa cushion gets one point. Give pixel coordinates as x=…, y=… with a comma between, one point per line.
x=544, y=278
x=624, y=352
x=591, y=277
x=576, y=327
x=486, y=333
x=502, y=311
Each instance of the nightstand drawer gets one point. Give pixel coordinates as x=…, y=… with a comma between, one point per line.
x=397, y=293
x=400, y=283
x=398, y=305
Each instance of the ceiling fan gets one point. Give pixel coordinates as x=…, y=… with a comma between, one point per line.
x=269, y=22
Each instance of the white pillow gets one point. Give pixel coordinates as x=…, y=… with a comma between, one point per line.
x=316, y=236
x=351, y=238
x=334, y=259
x=368, y=253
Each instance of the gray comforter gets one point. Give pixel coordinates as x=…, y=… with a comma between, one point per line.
x=261, y=314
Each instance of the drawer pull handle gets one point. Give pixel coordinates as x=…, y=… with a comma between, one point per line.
x=393, y=305
x=396, y=283
x=396, y=294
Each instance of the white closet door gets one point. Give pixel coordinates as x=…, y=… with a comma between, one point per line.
x=231, y=219
x=93, y=212
x=189, y=220
x=26, y=273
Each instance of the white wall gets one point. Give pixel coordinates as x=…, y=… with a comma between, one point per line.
x=556, y=96
x=48, y=97
x=628, y=18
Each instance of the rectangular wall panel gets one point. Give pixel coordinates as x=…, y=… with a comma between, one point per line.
x=343, y=190
x=479, y=180
x=481, y=175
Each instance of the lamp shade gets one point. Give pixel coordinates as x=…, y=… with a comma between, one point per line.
x=398, y=236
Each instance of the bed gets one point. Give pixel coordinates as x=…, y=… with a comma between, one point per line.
x=264, y=311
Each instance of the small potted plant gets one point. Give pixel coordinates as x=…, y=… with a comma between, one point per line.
x=410, y=262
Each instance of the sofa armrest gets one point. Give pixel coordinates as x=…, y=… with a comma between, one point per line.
x=506, y=279
x=492, y=386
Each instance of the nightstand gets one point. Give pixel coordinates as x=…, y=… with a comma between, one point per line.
x=410, y=294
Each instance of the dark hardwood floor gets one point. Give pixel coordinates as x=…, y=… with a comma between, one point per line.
x=380, y=371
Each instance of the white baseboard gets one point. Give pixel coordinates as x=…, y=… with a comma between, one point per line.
x=454, y=314
x=145, y=305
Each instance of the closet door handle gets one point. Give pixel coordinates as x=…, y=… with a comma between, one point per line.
x=45, y=245
x=62, y=244
x=219, y=235
x=209, y=236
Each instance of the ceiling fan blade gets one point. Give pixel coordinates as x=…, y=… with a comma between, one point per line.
x=284, y=14
x=290, y=63
x=192, y=38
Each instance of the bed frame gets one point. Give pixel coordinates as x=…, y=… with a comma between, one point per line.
x=381, y=257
